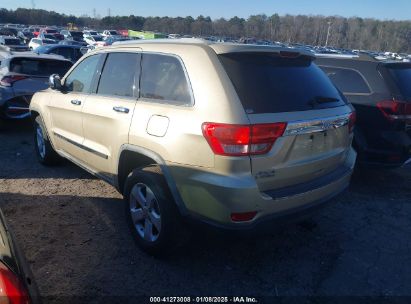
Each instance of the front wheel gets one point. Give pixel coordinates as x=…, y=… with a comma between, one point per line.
x=44, y=150
x=152, y=214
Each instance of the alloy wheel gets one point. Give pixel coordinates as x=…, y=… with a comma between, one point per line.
x=145, y=212
x=41, y=145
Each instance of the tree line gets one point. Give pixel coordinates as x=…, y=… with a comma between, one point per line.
x=350, y=33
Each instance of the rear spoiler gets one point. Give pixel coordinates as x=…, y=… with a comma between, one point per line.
x=285, y=52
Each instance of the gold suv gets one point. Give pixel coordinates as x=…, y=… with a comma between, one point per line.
x=232, y=135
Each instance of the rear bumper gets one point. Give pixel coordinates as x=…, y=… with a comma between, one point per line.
x=12, y=107
x=212, y=198
x=395, y=151
x=385, y=158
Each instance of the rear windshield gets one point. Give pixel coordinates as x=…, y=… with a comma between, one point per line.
x=51, y=31
x=268, y=83
x=402, y=77
x=97, y=38
x=39, y=67
x=10, y=41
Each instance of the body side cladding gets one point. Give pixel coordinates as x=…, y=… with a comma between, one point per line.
x=139, y=151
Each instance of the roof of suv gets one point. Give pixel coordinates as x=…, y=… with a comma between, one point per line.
x=218, y=47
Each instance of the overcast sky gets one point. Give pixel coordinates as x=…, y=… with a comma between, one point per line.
x=380, y=9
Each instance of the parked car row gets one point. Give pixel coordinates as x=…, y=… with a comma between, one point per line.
x=42, y=35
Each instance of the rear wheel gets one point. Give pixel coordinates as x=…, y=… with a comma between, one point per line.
x=44, y=150
x=151, y=212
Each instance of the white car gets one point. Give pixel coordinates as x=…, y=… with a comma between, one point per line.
x=94, y=40
x=36, y=42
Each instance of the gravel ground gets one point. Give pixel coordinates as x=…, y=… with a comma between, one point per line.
x=71, y=227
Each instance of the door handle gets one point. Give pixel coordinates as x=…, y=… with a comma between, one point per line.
x=76, y=102
x=121, y=110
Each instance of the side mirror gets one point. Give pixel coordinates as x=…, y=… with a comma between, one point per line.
x=55, y=82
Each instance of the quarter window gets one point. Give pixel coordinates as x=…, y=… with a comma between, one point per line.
x=348, y=81
x=81, y=78
x=120, y=74
x=163, y=78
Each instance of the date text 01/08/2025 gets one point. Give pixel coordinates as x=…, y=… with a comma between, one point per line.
x=238, y=299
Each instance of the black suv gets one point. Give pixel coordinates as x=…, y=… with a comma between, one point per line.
x=380, y=92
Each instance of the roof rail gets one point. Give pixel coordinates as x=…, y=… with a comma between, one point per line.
x=165, y=40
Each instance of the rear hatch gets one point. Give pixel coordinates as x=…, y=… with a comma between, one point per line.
x=15, y=45
x=29, y=74
x=287, y=87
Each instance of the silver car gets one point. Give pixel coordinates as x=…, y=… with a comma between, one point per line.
x=23, y=74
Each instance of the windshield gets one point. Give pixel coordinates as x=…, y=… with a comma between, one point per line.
x=97, y=38
x=402, y=78
x=268, y=83
x=39, y=67
x=11, y=41
x=51, y=31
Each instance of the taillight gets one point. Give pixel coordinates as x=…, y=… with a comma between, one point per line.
x=351, y=122
x=7, y=81
x=11, y=288
x=395, y=110
x=241, y=140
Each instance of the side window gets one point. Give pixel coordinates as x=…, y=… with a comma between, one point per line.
x=120, y=74
x=81, y=78
x=348, y=81
x=163, y=78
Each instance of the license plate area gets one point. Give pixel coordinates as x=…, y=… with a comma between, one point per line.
x=312, y=144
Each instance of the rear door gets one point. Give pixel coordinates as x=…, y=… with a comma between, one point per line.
x=295, y=91
x=107, y=113
x=66, y=105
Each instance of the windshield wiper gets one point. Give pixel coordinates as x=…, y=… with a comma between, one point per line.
x=317, y=100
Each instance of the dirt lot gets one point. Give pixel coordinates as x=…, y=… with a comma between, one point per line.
x=72, y=229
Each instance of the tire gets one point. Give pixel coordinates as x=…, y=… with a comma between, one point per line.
x=158, y=227
x=44, y=150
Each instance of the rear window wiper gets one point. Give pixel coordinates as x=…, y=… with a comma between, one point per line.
x=317, y=100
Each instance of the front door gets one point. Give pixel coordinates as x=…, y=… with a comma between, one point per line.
x=66, y=106
x=107, y=114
